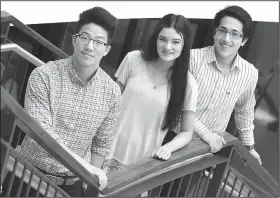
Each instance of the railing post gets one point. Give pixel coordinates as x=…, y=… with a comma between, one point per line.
x=91, y=191
x=218, y=175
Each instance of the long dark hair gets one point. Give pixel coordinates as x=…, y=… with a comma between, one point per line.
x=178, y=79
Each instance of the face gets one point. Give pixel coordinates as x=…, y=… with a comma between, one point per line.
x=226, y=46
x=169, y=44
x=88, y=53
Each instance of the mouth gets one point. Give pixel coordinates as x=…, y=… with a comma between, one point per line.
x=87, y=55
x=167, y=53
x=225, y=45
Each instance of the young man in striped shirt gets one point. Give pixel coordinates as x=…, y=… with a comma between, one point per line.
x=226, y=82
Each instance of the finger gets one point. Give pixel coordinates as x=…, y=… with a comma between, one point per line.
x=212, y=149
x=153, y=153
x=260, y=161
x=102, y=185
x=165, y=156
x=102, y=182
x=160, y=152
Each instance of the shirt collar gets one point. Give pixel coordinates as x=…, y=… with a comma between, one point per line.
x=75, y=77
x=211, y=57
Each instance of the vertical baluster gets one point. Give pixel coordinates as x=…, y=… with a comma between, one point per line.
x=14, y=77
x=29, y=183
x=160, y=190
x=233, y=186
x=18, y=138
x=169, y=188
x=249, y=193
x=47, y=189
x=241, y=189
x=24, y=82
x=10, y=184
x=207, y=181
x=56, y=192
x=198, y=184
x=179, y=187
x=21, y=181
x=39, y=186
x=4, y=170
x=225, y=181
x=189, y=182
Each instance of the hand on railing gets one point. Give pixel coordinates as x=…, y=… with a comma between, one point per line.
x=162, y=153
x=102, y=178
x=255, y=154
x=214, y=140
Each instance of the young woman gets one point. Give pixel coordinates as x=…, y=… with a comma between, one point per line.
x=158, y=94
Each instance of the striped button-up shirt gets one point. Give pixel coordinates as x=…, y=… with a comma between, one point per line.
x=220, y=94
x=80, y=116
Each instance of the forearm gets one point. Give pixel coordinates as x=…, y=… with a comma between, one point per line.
x=244, y=123
x=179, y=141
x=74, y=155
x=97, y=160
x=199, y=128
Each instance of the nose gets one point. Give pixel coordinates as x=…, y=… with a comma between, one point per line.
x=89, y=46
x=227, y=37
x=168, y=45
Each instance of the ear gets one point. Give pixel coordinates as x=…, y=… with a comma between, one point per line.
x=107, y=50
x=244, y=41
x=74, y=38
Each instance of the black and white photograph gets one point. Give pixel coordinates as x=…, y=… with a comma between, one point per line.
x=140, y=99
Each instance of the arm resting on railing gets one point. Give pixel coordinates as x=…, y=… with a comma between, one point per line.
x=148, y=168
x=35, y=131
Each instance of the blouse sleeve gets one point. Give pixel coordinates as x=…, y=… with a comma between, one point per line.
x=191, y=94
x=124, y=71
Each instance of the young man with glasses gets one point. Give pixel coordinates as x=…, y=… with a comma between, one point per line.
x=76, y=103
x=226, y=81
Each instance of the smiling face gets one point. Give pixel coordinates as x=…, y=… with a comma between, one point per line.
x=87, y=54
x=225, y=46
x=169, y=44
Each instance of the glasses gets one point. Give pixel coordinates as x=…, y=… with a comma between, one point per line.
x=84, y=40
x=233, y=35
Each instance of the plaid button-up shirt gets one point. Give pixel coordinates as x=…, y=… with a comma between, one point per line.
x=80, y=116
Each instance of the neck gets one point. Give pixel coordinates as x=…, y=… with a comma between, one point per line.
x=162, y=66
x=84, y=72
x=225, y=61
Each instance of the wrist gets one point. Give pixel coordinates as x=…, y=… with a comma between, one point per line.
x=250, y=147
x=205, y=136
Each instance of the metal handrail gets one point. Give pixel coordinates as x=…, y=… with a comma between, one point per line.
x=22, y=52
x=6, y=17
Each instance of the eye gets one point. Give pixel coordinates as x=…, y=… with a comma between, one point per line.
x=161, y=39
x=176, y=42
x=99, y=42
x=83, y=37
x=223, y=30
x=235, y=34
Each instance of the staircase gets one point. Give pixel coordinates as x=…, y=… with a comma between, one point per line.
x=191, y=171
